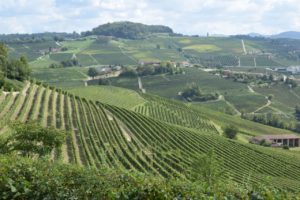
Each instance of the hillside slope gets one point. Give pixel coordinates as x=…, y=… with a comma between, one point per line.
x=105, y=135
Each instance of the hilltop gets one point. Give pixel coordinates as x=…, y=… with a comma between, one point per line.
x=127, y=30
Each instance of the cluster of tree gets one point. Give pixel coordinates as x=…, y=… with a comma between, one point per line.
x=31, y=140
x=93, y=72
x=23, y=178
x=163, y=68
x=256, y=78
x=129, y=72
x=273, y=120
x=65, y=63
x=12, y=68
x=103, y=81
x=292, y=83
x=104, y=39
x=127, y=30
x=193, y=93
x=230, y=131
x=37, y=37
x=297, y=112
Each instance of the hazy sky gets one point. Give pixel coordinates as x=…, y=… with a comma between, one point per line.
x=184, y=16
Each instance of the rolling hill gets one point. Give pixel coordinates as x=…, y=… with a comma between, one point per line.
x=163, y=142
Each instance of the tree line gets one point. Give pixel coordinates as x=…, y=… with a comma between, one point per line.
x=17, y=69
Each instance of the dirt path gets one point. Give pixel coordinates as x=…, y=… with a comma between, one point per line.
x=93, y=58
x=251, y=89
x=141, y=85
x=262, y=107
x=294, y=93
x=238, y=113
x=244, y=47
x=124, y=129
x=279, y=112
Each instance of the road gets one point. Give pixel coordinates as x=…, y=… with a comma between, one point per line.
x=244, y=48
x=141, y=85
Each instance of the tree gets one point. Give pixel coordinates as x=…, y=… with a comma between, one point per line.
x=297, y=127
x=92, y=72
x=297, y=112
x=230, y=131
x=3, y=57
x=103, y=81
x=32, y=140
x=270, y=97
x=207, y=169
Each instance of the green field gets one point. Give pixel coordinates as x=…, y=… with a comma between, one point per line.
x=169, y=86
x=247, y=103
x=201, y=48
x=206, y=51
x=61, y=77
x=111, y=95
x=285, y=99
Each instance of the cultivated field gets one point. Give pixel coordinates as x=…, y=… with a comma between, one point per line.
x=105, y=135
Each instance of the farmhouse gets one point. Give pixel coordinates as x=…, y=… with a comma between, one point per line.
x=147, y=63
x=103, y=71
x=277, y=140
x=293, y=69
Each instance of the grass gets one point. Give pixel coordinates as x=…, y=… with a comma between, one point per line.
x=60, y=77
x=283, y=98
x=247, y=103
x=203, y=48
x=220, y=106
x=121, y=97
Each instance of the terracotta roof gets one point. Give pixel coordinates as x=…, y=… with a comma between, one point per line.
x=272, y=137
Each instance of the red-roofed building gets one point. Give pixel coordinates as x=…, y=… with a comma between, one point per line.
x=278, y=140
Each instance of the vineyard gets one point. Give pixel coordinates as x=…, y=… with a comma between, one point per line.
x=106, y=135
x=174, y=113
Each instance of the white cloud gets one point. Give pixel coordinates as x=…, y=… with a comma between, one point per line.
x=189, y=16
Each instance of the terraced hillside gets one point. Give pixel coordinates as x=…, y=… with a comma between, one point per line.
x=105, y=135
x=174, y=113
x=195, y=116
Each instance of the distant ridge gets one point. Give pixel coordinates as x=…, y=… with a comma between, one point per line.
x=288, y=34
x=283, y=35
x=127, y=30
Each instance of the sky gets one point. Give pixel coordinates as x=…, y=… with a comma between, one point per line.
x=183, y=16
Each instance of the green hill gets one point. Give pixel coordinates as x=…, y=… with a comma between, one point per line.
x=106, y=135
x=128, y=30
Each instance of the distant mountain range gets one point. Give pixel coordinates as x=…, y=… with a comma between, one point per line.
x=287, y=34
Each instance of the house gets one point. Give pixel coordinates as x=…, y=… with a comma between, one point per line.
x=293, y=69
x=103, y=70
x=281, y=69
x=147, y=63
x=277, y=140
x=185, y=64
